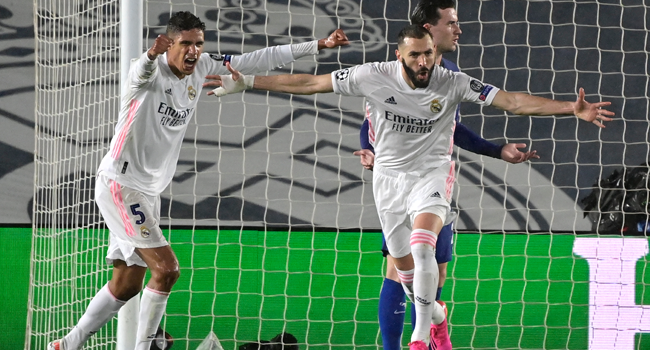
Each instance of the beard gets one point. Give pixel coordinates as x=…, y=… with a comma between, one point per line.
x=413, y=75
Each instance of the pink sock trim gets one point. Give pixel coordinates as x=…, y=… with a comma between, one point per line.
x=113, y=296
x=406, y=277
x=156, y=291
x=419, y=236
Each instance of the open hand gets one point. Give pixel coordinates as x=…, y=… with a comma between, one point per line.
x=228, y=84
x=511, y=153
x=367, y=158
x=591, y=112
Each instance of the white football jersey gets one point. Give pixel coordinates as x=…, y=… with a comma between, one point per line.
x=156, y=110
x=411, y=129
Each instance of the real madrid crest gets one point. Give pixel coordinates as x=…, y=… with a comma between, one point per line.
x=191, y=92
x=435, y=106
x=144, y=231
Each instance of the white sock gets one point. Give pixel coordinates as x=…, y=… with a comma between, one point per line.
x=406, y=278
x=425, y=284
x=100, y=310
x=152, y=308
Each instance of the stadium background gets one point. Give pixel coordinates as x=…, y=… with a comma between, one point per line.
x=539, y=58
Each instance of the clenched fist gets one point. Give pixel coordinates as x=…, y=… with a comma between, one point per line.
x=160, y=46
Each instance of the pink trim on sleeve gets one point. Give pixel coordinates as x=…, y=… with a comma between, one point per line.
x=119, y=143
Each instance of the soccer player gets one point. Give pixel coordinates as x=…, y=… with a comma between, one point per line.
x=440, y=19
x=392, y=303
x=412, y=103
x=164, y=85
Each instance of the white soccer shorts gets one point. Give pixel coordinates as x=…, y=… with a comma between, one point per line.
x=400, y=197
x=132, y=218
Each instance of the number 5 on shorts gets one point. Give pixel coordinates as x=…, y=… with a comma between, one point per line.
x=135, y=211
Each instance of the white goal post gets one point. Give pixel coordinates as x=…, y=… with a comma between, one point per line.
x=131, y=14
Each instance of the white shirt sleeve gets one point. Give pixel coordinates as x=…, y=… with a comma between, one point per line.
x=142, y=70
x=257, y=61
x=474, y=90
x=351, y=81
x=308, y=48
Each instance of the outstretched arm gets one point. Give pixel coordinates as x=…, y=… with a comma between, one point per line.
x=511, y=153
x=144, y=69
x=299, y=84
x=336, y=39
x=470, y=141
x=525, y=104
x=273, y=57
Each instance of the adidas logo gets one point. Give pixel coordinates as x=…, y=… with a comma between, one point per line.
x=168, y=91
x=435, y=195
x=391, y=100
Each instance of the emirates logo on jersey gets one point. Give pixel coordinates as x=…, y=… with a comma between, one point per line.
x=435, y=106
x=191, y=92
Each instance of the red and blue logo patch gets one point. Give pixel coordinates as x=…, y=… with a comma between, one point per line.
x=486, y=90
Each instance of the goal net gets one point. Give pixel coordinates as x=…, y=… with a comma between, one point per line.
x=272, y=217
x=77, y=93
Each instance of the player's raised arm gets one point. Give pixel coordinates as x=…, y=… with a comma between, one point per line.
x=525, y=104
x=299, y=84
x=159, y=47
x=272, y=57
x=336, y=39
x=468, y=140
x=144, y=68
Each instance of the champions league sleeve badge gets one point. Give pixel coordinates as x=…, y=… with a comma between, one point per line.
x=220, y=58
x=216, y=57
x=476, y=85
x=342, y=74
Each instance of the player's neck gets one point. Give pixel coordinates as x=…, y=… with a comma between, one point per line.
x=439, y=59
x=407, y=79
x=176, y=71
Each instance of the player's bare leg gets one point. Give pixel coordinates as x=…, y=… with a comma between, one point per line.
x=165, y=271
x=126, y=281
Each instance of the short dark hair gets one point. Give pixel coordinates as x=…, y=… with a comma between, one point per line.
x=183, y=20
x=427, y=11
x=414, y=31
